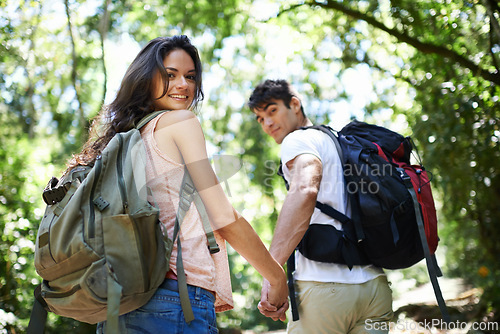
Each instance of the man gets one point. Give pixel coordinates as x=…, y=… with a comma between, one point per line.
x=331, y=298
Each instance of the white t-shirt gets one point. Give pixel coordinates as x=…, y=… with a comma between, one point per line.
x=331, y=192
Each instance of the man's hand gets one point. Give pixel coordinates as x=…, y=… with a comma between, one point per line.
x=306, y=173
x=272, y=304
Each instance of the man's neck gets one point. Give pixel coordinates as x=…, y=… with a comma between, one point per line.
x=305, y=122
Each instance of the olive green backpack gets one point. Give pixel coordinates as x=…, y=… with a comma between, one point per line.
x=100, y=249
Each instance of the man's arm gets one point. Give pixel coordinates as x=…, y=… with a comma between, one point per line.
x=306, y=172
x=298, y=207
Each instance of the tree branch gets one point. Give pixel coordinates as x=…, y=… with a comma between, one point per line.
x=74, y=58
x=491, y=7
x=291, y=8
x=30, y=91
x=103, y=32
x=492, y=44
x=403, y=37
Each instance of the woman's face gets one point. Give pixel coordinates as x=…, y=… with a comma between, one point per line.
x=181, y=75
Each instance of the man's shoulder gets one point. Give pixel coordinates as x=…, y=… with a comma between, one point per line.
x=305, y=135
x=311, y=141
x=292, y=135
x=299, y=142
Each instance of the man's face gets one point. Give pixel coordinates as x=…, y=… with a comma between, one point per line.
x=277, y=120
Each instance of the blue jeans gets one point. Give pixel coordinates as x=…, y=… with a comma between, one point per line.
x=163, y=313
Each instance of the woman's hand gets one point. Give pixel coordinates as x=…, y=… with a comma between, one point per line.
x=274, y=300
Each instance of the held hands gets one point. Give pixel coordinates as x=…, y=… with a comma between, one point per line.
x=274, y=300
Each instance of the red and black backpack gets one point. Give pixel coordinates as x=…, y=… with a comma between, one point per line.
x=393, y=222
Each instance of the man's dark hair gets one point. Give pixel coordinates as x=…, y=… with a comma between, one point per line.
x=272, y=90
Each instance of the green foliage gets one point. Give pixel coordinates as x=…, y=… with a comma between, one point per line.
x=455, y=119
x=465, y=135
x=17, y=237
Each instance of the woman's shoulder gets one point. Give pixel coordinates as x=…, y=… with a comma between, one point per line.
x=175, y=116
x=178, y=123
x=172, y=117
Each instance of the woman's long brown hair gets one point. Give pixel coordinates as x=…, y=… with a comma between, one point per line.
x=134, y=99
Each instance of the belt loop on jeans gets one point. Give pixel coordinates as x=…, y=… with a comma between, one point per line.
x=197, y=293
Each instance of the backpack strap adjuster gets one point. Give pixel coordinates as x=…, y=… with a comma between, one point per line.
x=52, y=193
x=404, y=177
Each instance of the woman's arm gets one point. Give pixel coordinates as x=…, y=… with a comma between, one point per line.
x=184, y=129
x=295, y=215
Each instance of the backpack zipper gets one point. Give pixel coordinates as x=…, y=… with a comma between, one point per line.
x=123, y=193
x=119, y=169
x=91, y=227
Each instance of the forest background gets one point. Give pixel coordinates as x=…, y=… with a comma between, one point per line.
x=429, y=69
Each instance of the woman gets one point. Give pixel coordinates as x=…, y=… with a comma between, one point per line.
x=166, y=75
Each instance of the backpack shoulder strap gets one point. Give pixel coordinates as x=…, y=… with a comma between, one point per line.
x=430, y=259
x=187, y=195
x=290, y=268
x=280, y=173
x=325, y=208
x=331, y=133
x=149, y=117
x=38, y=316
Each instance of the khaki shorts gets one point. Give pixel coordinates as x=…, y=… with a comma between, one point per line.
x=333, y=308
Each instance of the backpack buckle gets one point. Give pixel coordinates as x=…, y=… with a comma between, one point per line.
x=403, y=175
x=214, y=250
x=52, y=193
x=184, y=203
